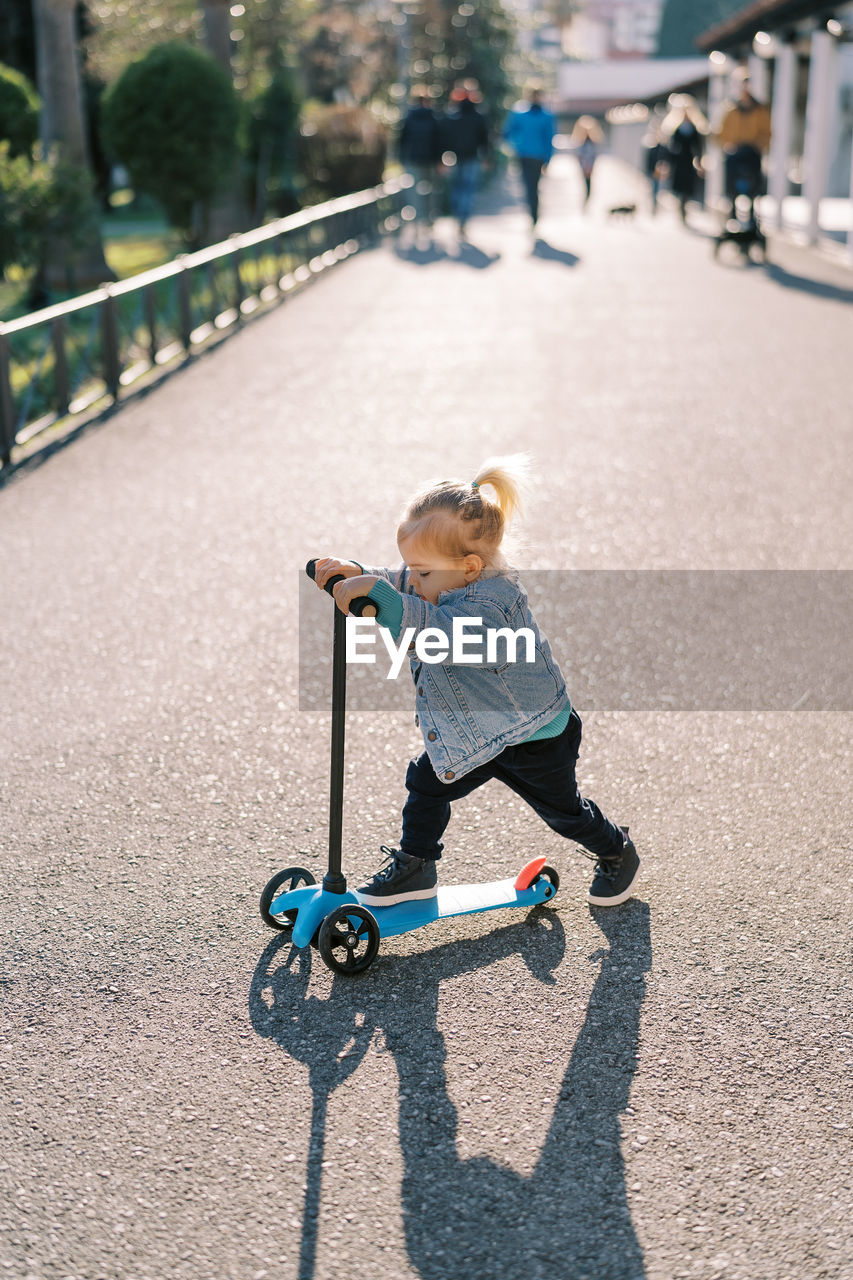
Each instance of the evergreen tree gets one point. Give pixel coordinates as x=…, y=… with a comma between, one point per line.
x=171, y=118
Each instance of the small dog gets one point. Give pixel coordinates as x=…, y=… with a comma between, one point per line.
x=744, y=236
x=623, y=211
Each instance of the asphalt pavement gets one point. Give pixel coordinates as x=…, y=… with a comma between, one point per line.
x=657, y=1091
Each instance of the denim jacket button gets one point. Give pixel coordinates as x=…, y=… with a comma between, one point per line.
x=432, y=735
x=420, y=693
x=450, y=774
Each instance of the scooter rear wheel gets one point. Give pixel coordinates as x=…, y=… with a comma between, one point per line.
x=349, y=939
x=283, y=882
x=549, y=873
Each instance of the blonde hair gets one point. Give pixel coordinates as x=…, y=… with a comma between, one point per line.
x=682, y=107
x=587, y=129
x=456, y=518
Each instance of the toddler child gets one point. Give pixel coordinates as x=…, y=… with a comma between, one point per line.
x=509, y=720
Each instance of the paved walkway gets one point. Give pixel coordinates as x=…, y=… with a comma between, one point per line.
x=658, y=1092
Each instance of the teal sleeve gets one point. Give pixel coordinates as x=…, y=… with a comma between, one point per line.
x=390, y=606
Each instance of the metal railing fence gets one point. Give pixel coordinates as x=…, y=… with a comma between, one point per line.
x=61, y=363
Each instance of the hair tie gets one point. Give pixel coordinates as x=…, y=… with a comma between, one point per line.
x=475, y=484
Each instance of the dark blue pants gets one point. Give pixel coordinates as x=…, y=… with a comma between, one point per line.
x=531, y=172
x=463, y=188
x=541, y=772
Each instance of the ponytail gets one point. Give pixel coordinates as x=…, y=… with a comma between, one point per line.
x=506, y=476
x=458, y=519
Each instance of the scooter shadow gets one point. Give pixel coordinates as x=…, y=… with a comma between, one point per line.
x=570, y=1217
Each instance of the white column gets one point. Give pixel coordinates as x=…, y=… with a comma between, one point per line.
x=820, y=108
x=850, y=231
x=784, y=95
x=713, y=159
x=759, y=76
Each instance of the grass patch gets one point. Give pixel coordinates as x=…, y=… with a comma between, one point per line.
x=132, y=251
x=129, y=247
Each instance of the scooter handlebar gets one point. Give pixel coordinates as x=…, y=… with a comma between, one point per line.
x=360, y=607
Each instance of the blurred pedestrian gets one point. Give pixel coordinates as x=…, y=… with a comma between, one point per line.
x=683, y=133
x=420, y=152
x=655, y=160
x=529, y=130
x=586, y=143
x=465, y=145
x=744, y=136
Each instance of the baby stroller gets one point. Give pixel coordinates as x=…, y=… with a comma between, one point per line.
x=743, y=184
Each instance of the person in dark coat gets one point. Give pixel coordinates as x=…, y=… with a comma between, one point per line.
x=420, y=153
x=683, y=134
x=465, y=146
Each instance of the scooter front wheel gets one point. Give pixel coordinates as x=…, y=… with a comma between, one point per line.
x=283, y=882
x=349, y=939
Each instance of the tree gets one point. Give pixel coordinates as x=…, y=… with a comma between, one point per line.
x=453, y=42
x=24, y=194
x=19, y=112
x=271, y=151
x=17, y=37
x=63, y=135
x=122, y=33
x=41, y=203
x=62, y=118
x=683, y=21
x=171, y=118
x=266, y=35
x=229, y=211
x=346, y=54
x=342, y=149
x=216, y=16
x=266, y=39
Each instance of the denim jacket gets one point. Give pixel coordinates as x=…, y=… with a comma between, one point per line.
x=468, y=713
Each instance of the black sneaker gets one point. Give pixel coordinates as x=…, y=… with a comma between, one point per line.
x=401, y=878
x=615, y=878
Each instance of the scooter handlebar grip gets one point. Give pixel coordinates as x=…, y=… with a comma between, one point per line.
x=363, y=607
x=360, y=607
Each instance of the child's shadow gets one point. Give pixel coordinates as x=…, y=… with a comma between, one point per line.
x=476, y=1216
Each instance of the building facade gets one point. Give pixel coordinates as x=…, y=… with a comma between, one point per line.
x=602, y=30
x=800, y=59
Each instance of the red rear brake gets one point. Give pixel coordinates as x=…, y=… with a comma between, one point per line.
x=528, y=874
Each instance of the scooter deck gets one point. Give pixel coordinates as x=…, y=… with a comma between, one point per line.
x=314, y=903
x=456, y=900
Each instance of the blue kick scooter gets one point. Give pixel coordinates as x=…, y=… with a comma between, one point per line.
x=330, y=916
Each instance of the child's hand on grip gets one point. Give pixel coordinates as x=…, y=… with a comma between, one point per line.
x=326, y=567
x=353, y=587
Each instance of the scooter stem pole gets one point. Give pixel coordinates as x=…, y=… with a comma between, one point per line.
x=334, y=881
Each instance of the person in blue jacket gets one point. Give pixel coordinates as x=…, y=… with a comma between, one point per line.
x=529, y=130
